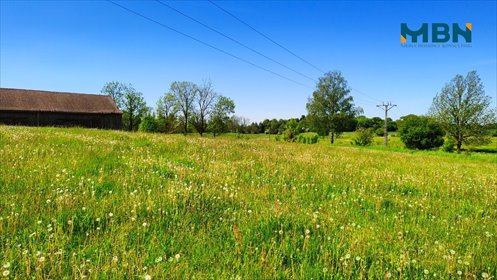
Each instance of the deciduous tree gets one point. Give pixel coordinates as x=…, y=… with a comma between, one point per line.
x=205, y=100
x=184, y=93
x=330, y=105
x=463, y=110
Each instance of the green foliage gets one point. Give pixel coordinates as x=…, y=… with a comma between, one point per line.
x=130, y=101
x=307, y=138
x=448, y=146
x=363, y=137
x=168, y=125
x=422, y=133
x=331, y=106
x=223, y=109
x=380, y=131
x=206, y=100
x=292, y=129
x=184, y=93
x=463, y=110
x=149, y=124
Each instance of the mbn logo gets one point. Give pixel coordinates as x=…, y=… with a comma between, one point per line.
x=440, y=33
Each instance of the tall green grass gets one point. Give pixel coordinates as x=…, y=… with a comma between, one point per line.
x=94, y=204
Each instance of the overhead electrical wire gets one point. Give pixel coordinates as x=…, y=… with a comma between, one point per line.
x=207, y=44
x=265, y=36
x=234, y=40
x=281, y=46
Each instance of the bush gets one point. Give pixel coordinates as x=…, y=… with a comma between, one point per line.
x=422, y=133
x=363, y=137
x=288, y=135
x=448, y=146
x=307, y=138
x=149, y=124
x=380, y=131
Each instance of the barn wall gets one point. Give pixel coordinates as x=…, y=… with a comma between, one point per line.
x=108, y=121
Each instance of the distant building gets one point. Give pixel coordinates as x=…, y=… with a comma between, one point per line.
x=46, y=108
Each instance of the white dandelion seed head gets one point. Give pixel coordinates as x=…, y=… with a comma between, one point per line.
x=177, y=256
x=6, y=265
x=41, y=259
x=484, y=275
x=459, y=272
x=5, y=273
x=158, y=260
x=144, y=224
x=148, y=277
x=111, y=214
x=426, y=271
x=114, y=258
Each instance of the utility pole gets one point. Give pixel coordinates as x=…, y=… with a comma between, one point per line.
x=386, y=107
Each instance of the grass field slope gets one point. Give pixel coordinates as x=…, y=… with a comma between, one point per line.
x=93, y=204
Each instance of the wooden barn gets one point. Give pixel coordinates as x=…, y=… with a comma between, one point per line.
x=46, y=108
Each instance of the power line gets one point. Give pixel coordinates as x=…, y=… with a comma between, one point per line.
x=206, y=44
x=281, y=46
x=375, y=99
x=265, y=36
x=234, y=40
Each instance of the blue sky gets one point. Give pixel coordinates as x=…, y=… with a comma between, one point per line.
x=77, y=46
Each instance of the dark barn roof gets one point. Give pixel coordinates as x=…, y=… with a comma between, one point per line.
x=48, y=101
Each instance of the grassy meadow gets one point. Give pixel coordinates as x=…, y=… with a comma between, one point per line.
x=94, y=204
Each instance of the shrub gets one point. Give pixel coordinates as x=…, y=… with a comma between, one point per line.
x=363, y=137
x=422, y=133
x=307, y=138
x=149, y=124
x=288, y=135
x=380, y=131
x=448, y=146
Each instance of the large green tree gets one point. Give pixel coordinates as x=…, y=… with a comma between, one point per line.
x=184, y=93
x=166, y=111
x=129, y=100
x=220, y=117
x=134, y=109
x=463, y=110
x=116, y=91
x=205, y=100
x=330, y=105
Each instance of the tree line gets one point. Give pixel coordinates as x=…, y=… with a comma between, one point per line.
x=460, y=112
x=184, y=108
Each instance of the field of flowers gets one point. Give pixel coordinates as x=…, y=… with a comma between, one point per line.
x=93, y=204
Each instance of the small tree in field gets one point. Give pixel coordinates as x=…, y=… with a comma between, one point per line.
x=463, y=110
x=420, y=132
